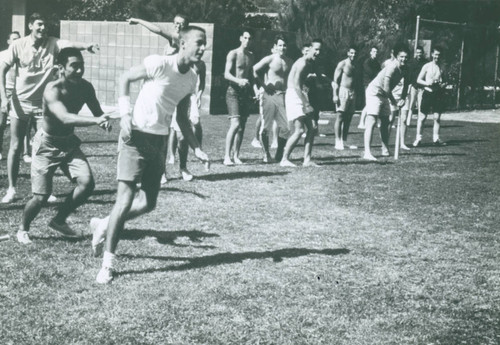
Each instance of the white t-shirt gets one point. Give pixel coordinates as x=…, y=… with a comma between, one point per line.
x=164, y=88
x=10, y=78
x=390, y=71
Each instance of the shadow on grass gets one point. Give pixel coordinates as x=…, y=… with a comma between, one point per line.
x=360, y=161
x=229, y=258
x=100, y=141
x=423, y=154
x=60, y=238
x=240, y=175
x=169, y=237
x=102, y=155
x=463, y=141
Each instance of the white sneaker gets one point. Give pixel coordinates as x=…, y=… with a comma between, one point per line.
x=339, y=146
x=186, y=175
x=52, y=199
x=9, y=196
x=23, y=237
x=256, y=143
x=163, y=179
x=27, y=159
x=63, y=229
x=105, y=275
x=98, y=228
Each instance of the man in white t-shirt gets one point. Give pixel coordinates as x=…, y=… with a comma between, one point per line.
x=169, y=82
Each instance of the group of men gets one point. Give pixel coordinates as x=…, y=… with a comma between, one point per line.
x=49, y=87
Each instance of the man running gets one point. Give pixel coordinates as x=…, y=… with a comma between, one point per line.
x=239, y=95
x=431, y=100
x=344, y=97
x=276, y=67
x=33, y=56
x=10, y=82
x=169, y=82
x=56, y=144
x=298, y=109
x=378, y=96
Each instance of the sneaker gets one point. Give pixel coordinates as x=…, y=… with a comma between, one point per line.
x=9, y=196
x=163, y=179
x=228, y=162
x=52, y=199
x=416, y=143
x=256, y=143
x=23, y=237
x=353, y=147
x=237, y=161
x=339, y=146
x=186, y=175
x=63, y=229
x=98, y=229
x=105, y=275
x=439, y=143
x=404, y=147
x=385, y=153
x=27, y=159
x=287, y=163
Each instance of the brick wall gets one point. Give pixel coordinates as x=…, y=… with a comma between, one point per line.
x=123, y=46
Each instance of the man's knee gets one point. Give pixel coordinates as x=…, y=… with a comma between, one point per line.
x=86, y=183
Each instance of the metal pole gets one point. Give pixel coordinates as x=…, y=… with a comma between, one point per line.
x=460, y=72
x=416, y=35
x=496, y=76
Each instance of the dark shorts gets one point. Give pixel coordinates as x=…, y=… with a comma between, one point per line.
x=239, y=101
x=50, y=152
x=141, y=158
x=431, y=102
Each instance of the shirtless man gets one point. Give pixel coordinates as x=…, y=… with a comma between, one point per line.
x=431, y=99
x=33, y=56
x=344, y=97
x=276, y=67
x=298, y=109
x=239, y=95
x=56, y=144
x=378, y=96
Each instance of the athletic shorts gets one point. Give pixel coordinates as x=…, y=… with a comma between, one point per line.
x=377, y=105
x=431, y=102
x=24, y=110
x=50, y=152
x=273, y=109
x=239, y=101
x=347, y=100
x=141, y=158
x=295, y=106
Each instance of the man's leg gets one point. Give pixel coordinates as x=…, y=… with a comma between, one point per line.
x=369, y=124
x=309, y=142
x=183, y=148
x=404, y=115
x=27, y=140
x=172, y=146
x=256, y=140
x=435, y=130
x=420, y=126
x=230, y=138
x=362, y=118
x=238, y=139
x=385, y=125
x=17, y=133
x=339, y=125
x=292, y=141
x=3, y=126
x=198, y=132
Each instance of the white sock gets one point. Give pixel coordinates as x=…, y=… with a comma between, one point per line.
x=108, y=260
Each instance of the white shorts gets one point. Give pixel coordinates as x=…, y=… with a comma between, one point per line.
x=193, y=111
x=377, y=105
x=294, y=105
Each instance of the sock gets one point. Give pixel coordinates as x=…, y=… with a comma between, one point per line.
x=108, y=260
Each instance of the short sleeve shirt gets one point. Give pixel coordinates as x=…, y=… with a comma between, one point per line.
x=163, y=89
x=10, y=78
x=34, y=67
x=391, y=71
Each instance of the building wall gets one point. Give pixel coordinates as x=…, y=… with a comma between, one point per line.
x=5, y=22
x=123, y=46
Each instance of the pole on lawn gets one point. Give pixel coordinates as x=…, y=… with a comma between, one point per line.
x=460, y=72
x=398, y=137
x=417, y=29
x=496, y=76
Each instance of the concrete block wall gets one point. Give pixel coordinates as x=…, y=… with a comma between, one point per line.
x=123, y=46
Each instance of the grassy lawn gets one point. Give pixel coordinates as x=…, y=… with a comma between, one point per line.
x=392, y=252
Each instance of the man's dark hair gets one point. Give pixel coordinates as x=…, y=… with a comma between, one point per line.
x=306, y=45
x=400, y=47
x=66, y=53
x=183, y=16
x=437, y=49
x=36, y=16
x=279, y=37
x=317, y=40
x=420, y=48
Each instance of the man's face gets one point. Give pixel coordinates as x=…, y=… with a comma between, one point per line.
x=179, y=24
x=38, y=29
x=436, y=55
x=245, y=39
x=373, y=53
x=401, y=58
x=74, y=69
x=314, y=51
x=351, y=54
x=195, y=43
x=12, y=38
x=418, y=54
x=280, y=47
